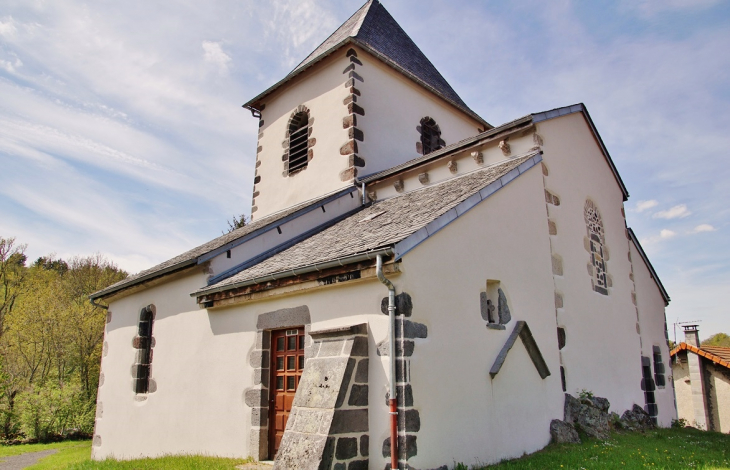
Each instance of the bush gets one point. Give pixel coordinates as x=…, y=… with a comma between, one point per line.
x=49, y=412
x=679, y=423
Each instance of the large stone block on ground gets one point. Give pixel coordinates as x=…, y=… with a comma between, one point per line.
x=563, y=433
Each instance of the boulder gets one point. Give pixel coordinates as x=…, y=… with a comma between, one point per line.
x=590, y=415
x=563, y=433
x=636, y=419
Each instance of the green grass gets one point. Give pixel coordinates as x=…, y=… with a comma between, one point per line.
x=66, y=457
x=77, y=455
x=6, y=451
x=659, y=449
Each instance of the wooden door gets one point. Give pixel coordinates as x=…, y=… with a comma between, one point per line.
x=287, y=363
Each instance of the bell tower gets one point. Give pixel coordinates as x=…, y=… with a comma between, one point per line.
x=354, y=107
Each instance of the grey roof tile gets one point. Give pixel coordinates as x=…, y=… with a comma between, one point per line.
x=382, y=224
x=377, y=31
x=190, y=257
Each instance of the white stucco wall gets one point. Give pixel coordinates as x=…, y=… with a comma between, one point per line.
x=683, y=390
x=465, y=415
x=394, y=106
x=322, y=91
x=199, y=371
x=650, y=304
x=602, y=352
x=719, y=393
x=720, y=397
x=201, y=367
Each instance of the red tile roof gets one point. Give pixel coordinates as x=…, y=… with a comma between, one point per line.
x=716, y=354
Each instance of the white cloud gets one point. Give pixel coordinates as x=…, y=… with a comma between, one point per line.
x=7, y=27
x=676, y=212
x=703, y=228
x=9, y=66
x=641, y=206
x=664, y=234
x=215, y=55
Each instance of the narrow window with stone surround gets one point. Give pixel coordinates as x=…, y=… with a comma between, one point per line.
x=596, y=241
x=143, y=343
x=430, y=136
x=659, y=379
x=298, y=142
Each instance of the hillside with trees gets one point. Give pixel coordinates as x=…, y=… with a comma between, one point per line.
x=51, y=338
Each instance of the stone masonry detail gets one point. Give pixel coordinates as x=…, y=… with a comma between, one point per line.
x=328, y=424
x=310, y=141
x=409, y=420
x=257, y=397
x=257, y=178
x=596, y=243
x=354, y=135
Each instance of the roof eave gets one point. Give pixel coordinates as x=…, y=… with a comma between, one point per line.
x=142, y=279
x=700, y=352
x=256, y=102
x=580, y=107
x=343, y=261
x=654, y=275
x=516, y=125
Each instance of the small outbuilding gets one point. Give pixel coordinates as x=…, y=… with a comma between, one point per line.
x=702, y=382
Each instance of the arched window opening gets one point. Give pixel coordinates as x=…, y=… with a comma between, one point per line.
x=430, y=136
x=143, y=342
x=298, y=142
x=596, y=240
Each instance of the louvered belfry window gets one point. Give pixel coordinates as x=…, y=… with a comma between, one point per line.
x=144, y=351
x=298, y=142
x=430, y=136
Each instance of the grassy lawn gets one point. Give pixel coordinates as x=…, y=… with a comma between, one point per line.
x=660, y=449
x=76, y=455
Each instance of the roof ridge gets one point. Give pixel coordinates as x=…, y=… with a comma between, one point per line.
x=353, y=28
x=361, y=20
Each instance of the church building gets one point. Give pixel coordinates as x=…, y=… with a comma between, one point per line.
x=415, y=285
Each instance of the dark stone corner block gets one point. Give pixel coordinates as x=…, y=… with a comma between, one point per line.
x=347, y=421
x=403, y=305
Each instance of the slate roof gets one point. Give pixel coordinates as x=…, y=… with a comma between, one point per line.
x=382, y=224
x=190, y=257
x=716, y=354
x=376, y=31
x=530, y=118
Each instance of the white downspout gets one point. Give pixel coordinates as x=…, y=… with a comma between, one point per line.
x=391, y=344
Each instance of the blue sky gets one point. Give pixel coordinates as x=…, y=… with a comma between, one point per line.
x=122, y=132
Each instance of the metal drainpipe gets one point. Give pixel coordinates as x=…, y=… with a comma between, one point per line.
x=391, y=339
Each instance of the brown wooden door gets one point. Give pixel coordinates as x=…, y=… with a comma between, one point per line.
x=287, y=363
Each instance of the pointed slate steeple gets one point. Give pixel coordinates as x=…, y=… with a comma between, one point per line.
x=376, y=31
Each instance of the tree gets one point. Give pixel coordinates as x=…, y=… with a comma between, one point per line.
x=12, y=272
x=50, y=349
x=718, y=339
x=237, y=222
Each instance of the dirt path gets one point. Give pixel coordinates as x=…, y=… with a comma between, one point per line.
x=19, y=462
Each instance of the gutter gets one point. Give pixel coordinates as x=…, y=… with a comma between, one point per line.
x=475, y=141
x=141, y=279
x=345, y=260
x=640, y=249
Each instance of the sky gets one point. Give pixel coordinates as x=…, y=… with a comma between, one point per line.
x=122, y=132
